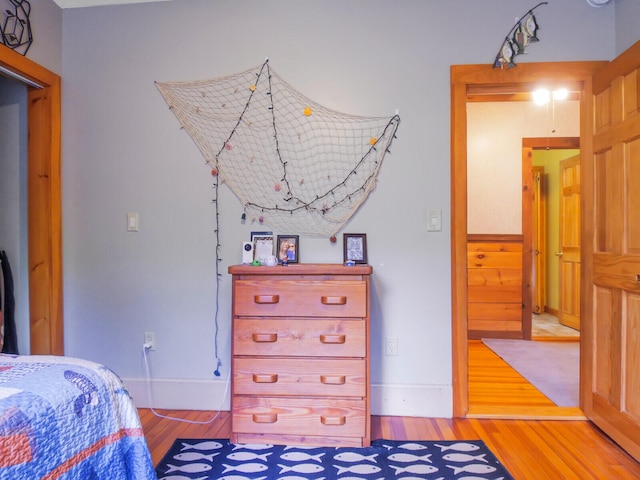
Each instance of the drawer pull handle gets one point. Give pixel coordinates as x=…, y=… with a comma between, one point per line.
x=266, y=299
x=333, y=379
x=333, y=300
x=265, y=377
x=265, y=337
x=336, y=339
x=333, y=420
x=265, y=417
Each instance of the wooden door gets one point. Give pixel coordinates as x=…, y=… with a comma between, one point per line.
x=539, y=244
x=569, y=261
x=611, y=295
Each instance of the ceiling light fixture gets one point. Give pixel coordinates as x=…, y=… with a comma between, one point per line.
x=542, y=96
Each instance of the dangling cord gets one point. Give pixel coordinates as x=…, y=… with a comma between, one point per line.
x=150, y=399
x=216, y=183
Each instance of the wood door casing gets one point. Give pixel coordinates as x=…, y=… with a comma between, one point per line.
x=44, y=201
x=471, y=83
x=611, y=246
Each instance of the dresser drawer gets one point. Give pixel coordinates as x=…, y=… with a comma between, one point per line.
x=303, y=298
x=299, y=337
x=299, y=416
x=299, y=377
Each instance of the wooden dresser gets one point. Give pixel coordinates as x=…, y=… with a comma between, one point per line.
x=300, y=369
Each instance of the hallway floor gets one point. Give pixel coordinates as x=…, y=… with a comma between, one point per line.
x=546, y=325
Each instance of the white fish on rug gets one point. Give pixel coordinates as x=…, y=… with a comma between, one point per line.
x=302, y=468
x=245, y=468
x=301, y=457
x=412, y=446
x=209, y=445
x=409, y=457
x=191, y=456
x=417, y=469
x=189, y=468
x=460, y=447
x=351, y=457
x=473, y=468
x=359, y=469
x=247, y=456
x=463, y=457
x=252, y=446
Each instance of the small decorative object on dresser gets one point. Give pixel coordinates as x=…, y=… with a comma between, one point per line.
x=262, y=245
x=355, y=247
x=288, y=248
x=300, y=364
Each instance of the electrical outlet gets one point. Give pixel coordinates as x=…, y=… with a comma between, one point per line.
x=392, y=346
x=149, y=340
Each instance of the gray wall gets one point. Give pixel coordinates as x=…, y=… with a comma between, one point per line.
x=124, y=151
x=627, y=15
x=46, y=26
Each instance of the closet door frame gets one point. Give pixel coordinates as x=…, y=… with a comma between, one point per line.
x=44, y=199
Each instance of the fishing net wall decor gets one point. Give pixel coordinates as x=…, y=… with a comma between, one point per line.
x=296, y=166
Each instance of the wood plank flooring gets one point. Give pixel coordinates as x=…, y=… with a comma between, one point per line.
x=497, y=391
x=530, y=449
x=548, y=448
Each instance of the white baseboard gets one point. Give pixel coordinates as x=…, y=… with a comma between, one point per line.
x=179, y=394
x=433, y=401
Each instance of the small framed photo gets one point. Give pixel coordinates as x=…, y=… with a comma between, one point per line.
x=355, y=247
x=262, y=245
x=288, y=248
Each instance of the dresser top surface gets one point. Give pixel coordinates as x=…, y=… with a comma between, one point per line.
x=302, y=269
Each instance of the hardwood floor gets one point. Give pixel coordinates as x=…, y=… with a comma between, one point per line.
x=548, y=448
x=530, y=449
x=497, y=391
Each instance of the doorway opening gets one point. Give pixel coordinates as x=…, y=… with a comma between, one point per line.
x=476, y=83
x=543, y=158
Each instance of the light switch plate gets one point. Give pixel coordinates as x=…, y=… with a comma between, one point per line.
x=132, y=222
x=434, y=221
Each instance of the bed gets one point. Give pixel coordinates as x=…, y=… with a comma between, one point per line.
x=66, y=418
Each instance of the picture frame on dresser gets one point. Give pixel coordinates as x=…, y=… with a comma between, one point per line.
x=354, y=248
x=288, y=248
x=262, y=245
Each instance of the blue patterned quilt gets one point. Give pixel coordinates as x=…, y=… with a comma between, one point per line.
x=66, y=418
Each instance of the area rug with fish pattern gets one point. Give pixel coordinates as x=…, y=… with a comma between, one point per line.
x=204, y=459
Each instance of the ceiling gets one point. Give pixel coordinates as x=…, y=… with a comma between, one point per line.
x=96, y=3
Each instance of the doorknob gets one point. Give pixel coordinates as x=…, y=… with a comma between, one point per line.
x=558, y=254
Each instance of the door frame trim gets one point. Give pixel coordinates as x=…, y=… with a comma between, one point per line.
x=476, y=79
x=44, y=202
